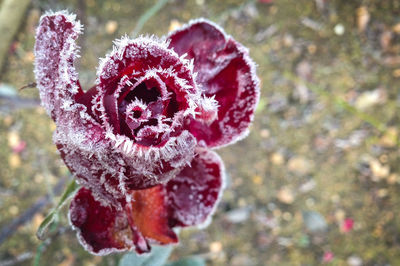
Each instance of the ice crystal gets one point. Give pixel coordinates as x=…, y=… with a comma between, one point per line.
x=139, y=140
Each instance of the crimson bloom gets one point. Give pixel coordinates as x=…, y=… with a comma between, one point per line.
x=140, y=140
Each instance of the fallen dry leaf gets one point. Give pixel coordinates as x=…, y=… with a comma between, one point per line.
x=285, y=195
x=363, y=17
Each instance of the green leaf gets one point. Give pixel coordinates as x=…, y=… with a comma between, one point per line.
x=157, y=257
x=147, y=15
x=262, y=104
x=189, y=261
x=51, y=217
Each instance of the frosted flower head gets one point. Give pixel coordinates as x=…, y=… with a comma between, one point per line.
x=139, y=140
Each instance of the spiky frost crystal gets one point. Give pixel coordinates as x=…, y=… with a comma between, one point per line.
x=138, y=141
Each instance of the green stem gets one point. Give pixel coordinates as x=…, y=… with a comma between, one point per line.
x=39, y=252
x=41, y=247
x=147, y=15
x=51, y=218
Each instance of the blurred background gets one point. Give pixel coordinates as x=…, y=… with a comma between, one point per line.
x=317, y=181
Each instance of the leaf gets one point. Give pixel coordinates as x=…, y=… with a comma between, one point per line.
x=314, y=221
x=51, y=217
x=157, y=257
x=147, y=15
x=262, y=104
x=189, y=261
x=304, y=241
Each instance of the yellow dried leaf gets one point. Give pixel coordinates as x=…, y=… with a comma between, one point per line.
x=300, y=165
x=111, y=26
x=312, y=48
x=215, y=247
x=29, y=57
x=363, y=17
x=277, y=158
x=396, y=73
x=37, y=220
x=257, y=180
x=52, y=126
x=340, y=215
x=285, y=195
x=174, y=24
x=385, y=39
x=13, y=139
x=389, y=139
x=379, y=170
x=393, y=179
x=264, y=133
x=14, y=161
x=14, y=210
x=396, y=28
x=383, y=192
x=8, y=120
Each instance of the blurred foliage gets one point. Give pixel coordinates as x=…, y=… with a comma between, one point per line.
x=308, y=152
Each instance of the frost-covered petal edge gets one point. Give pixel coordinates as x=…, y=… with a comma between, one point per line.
x=216, y=53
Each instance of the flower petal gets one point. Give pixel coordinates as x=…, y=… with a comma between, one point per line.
x=149, y=214
x=55, y=53
x=101, y=230
x=187, y=200
x=225, y=71
x=104, y=229
x=157, y=149
x=194, y=193
x=78, y=136
x=57, y=79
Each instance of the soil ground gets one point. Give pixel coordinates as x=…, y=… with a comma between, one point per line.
x=316, y=181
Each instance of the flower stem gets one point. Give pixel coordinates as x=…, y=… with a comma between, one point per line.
x=147, y=15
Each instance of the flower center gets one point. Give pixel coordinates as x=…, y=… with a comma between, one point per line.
x=143, y=93
x=145, y=111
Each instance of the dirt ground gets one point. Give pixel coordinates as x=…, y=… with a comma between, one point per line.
x=317, y=181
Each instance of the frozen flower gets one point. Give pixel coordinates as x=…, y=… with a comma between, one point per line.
x=139, y=140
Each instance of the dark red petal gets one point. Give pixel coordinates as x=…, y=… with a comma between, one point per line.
x=88, y=99
x=156, y=151
x=57, y=80
x=56, y=77
x=55, y=53
x=105, y=229
x=149, y=213
x=101, y=230
x=225, y=71
x=194, y=193
x=95, y=172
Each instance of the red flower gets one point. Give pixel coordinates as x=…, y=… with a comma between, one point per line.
x=347, y=225
x=138, y=141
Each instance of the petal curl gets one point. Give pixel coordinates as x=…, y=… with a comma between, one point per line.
x=101, y=230
x=55, y=53
x=194, y=193
x=104, y=229
x=56, y=77
x=129, y=64
x=225, y=71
